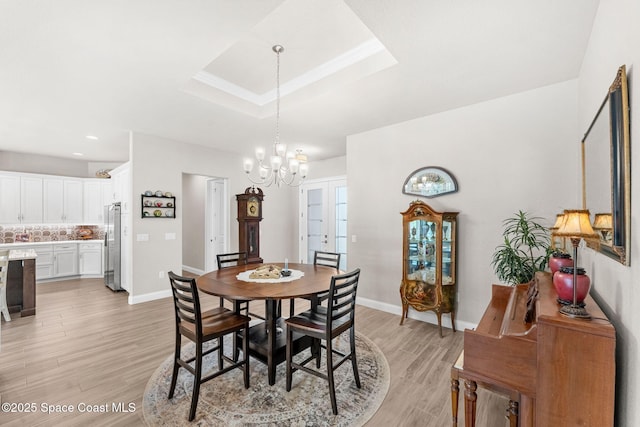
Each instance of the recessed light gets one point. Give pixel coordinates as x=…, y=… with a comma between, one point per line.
x=92, y=137
x=78, y=154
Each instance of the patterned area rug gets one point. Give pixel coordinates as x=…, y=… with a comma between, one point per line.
x=225, y=402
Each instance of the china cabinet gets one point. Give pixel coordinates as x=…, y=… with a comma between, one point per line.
x=428, y=261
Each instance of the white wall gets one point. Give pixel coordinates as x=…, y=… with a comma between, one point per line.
x=513, y=153
x=158, y=164
x=615, y=40
x=194, y=189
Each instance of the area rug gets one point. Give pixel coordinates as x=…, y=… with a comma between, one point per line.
x=225, y=402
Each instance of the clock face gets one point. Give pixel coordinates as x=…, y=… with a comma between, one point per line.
x=252, y=207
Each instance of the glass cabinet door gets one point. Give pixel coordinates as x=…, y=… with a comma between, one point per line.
x=447, y=255
x=422, y=261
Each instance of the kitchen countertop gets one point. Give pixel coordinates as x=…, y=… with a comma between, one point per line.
x=56, y=242
x=19, y=254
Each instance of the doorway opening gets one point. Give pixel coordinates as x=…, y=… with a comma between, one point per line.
x=205, y=222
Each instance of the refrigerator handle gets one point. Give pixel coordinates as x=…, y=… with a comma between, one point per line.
x=106, y=233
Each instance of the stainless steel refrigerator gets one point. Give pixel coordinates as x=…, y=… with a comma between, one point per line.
x=112, y=270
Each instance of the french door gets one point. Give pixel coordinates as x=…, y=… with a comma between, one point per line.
x=323, y=219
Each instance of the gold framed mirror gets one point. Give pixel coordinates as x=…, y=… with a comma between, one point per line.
x=606, y=172
x=430, y=181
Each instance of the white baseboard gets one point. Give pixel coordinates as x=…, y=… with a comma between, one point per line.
x=424, y=316
x=193, y=270
x=149, y=297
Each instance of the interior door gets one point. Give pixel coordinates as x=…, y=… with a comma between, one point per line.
x=323, y=219
x=216, y=222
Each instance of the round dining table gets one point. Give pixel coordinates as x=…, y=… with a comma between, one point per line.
x=267, y=342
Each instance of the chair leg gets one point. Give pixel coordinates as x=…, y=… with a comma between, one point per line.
x=354, y=362
x=220, y=352
x=332, y=387
x=289, y=355
x=196, y=382
x=292, y=307
x=245, y=350
x=176, y=367
x=3, y=304
x=316, y=351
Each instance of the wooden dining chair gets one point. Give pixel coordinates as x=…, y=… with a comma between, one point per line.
x=201, y=328
x=4, y=267
x=325, y=326
x=233, y=259
x=328, y=259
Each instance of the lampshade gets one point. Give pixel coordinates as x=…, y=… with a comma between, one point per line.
x=603, y=221
x=559, y=221
x=576, y=224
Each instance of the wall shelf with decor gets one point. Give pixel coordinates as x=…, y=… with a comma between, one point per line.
x=158, y=206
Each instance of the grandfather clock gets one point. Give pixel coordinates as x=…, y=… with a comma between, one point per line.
x=249, y=217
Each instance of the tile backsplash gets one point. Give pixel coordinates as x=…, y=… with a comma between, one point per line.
x=49, y=233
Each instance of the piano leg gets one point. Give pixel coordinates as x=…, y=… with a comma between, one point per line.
x=470, y=398
x=455, y=390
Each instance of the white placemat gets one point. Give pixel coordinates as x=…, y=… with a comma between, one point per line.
x=295, y=275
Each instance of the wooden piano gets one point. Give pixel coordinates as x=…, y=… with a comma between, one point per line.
x=558, y=371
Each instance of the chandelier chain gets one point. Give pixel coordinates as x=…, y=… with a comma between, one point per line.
x=278, y=96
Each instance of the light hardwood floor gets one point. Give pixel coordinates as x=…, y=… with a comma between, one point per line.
x=86, y=345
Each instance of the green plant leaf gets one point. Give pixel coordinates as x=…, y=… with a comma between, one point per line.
x=525, y=249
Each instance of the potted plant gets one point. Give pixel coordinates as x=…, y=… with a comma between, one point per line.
x=526, y=249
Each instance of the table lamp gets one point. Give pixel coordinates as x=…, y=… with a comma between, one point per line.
x=603, y=223
x=576, y=226
x=554, y=229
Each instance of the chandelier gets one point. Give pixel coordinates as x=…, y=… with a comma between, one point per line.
x=283, y=167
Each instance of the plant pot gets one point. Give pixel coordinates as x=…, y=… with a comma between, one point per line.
x=559, y=260
x=563, y=282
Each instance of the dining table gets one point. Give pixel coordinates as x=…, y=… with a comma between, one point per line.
x=267, y=340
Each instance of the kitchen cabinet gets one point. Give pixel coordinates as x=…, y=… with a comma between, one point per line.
x=62, y=200
x=121, y=177
x=44, y=259
x=98, y=193
x=90, y=259
x=65, y=259
x=21, y=199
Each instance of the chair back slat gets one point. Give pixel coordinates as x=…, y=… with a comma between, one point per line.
x=342, y=297
x=330, y=259
x=4, y=267
x=231, y=259
x=186, y=301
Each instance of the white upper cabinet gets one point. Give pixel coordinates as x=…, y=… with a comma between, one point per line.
x=41, y=199
x=63, y=200
x=122, y=186
x=21, y=199
x=98, y=193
